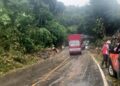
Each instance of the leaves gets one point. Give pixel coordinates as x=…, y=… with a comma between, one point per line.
x=25, y=25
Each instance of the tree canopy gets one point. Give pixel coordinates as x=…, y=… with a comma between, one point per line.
x=100, y=18
x=30, y=24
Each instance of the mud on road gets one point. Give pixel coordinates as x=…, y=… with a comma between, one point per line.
x=31, y=74
x=78, y=71
x=61, y=70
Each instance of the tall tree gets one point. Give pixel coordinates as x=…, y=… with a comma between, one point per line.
x=105, y=9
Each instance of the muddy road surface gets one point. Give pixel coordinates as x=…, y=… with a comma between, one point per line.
x=60, y=70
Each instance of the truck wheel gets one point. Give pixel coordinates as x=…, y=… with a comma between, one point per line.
x=80, y=53
x=113, y=73
x=118, y=75
x=110, y=70
x=70, y=53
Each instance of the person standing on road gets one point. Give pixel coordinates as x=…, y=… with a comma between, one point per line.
x=105, y=52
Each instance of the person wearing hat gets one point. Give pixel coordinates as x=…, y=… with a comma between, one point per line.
x=105, y=52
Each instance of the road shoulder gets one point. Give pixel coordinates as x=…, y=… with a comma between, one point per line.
x=101, y=71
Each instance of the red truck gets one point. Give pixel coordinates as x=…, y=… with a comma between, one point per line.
x=114, y=65
x=75, y=42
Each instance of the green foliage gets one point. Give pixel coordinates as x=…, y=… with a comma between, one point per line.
x=99, y=29
x=25, y=28
x=27, y=43
x=98, y=42
x=41, y=37
x=58, y=33
x=23, y=25
x=106, y=10
x=72, y=29
x=71, y=16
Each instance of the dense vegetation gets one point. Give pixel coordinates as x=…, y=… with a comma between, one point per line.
x=28, y=26
x=99, y=19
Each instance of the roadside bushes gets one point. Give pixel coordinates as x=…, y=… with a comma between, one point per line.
x=58, y=33
x=27, y=26
x=41, y=37
x=38, y=38
x=32, y=39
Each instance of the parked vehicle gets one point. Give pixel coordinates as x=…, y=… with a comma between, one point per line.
x=75, y=43
x=114, y=65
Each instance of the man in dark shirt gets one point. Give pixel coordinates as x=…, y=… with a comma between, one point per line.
x=118, y=48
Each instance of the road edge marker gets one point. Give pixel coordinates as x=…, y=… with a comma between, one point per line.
x=101, y=71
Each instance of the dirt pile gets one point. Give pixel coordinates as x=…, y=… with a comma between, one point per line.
x=47, y=53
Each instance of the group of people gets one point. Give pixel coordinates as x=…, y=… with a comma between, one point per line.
x=106, y=48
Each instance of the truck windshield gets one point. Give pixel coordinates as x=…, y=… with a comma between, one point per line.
x=74, y=43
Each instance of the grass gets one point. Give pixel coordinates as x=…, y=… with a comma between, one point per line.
x=97, y=54
x=15, y=59
x=10, y=62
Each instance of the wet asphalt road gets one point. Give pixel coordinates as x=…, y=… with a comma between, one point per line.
x=61, y=70
x=82, y=72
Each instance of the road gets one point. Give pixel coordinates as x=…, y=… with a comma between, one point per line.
x=61, y=70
